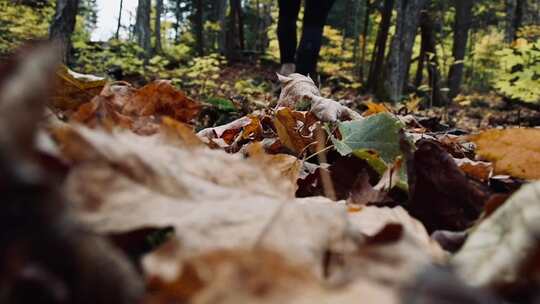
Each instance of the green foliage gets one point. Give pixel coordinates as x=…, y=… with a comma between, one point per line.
x=201, y=74
x=484, y=66
x=251, y=87
x=96, y=58
x=375, y=139
x=19, y=23
x=222, y=104
x=519, y=76
x=377, y=132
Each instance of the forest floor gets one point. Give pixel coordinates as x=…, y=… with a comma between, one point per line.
x=314, y=195
x=469, y=112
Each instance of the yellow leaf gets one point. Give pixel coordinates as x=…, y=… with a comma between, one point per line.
x=374, y=108
x=513, y=151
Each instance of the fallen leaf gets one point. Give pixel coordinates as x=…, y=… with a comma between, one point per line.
x=297, y=88
x=296, y=130
x=480, y=171
x=374, y=108
x=441, y=196
x=500, y=251
x=374, y=139
x=73, y=89
x=161, y=98
x=513, y=151
x=378, y=132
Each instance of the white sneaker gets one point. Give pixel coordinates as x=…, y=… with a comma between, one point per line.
x=287, y=69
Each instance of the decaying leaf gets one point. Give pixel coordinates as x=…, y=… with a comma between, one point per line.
x=441, y=196
x=121, y=105
x=297, y=87
x=73, y=89
x=502, y=250
x=513, y=151
x=296, y=130
x=480, y=171
x=243, y=129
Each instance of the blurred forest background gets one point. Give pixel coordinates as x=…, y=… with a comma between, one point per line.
x=432, y=51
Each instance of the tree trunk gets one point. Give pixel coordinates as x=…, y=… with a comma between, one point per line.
x=365, y=31
x=266, y=23
x=198, y=22
x=119, y=25
x=462, y=26
x=420, y=69
x=514, y=18
x=429, y=46
x=63, y=25
x=399, y=58
x=377, y=61
x=142, y=27
x=235, y=36
x=157, y=27
x=178, y=17
x=222, y=18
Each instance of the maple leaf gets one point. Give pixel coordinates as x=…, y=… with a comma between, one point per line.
x=513, y=151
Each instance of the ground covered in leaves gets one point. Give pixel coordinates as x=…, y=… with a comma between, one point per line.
x=120, y=194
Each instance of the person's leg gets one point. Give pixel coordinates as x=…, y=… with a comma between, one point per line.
x=315, y=15
x=286, y=31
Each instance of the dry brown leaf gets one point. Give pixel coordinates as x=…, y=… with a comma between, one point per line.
x=247, y=127
x=296, y=130
x=73, y=89
x=174, y=130
x=161, y=98
x=121, y=105
x=513, y=151
x=288, y=166
x=297, y=88
x=481, y=171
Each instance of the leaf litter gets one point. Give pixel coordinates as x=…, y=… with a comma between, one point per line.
x=237, y=213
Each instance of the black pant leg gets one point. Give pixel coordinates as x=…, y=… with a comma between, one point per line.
x=286, y=31
x=315, y=15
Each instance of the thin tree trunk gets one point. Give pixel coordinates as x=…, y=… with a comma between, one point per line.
x=462, y=26
x=401, y=48
x=365, y=32
x=142, y=27
x=519, y=15
x=356, y=33
x=119, y=25
x=222, y=39
x=235, y=34
x=429, y=45
x=510, y=32
x=178, y=17
x=420, y=69
x=63, y=25
x=199, y=26
x=377, y=61
x=157, y=27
